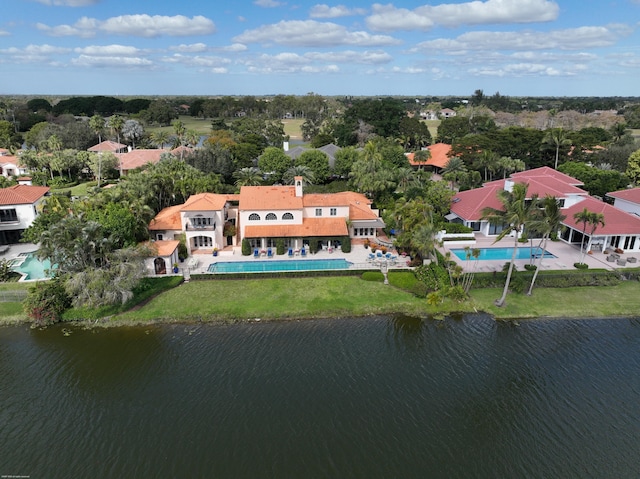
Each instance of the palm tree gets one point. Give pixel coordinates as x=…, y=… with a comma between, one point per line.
x=96, y=123
x=592, y=219
x=555, y=138
x=488, y=161
x=516, y=213
x=299, y=170
x=248, y=177
x=453, y=169
x=549, y=222
x=160, y=138
x=406, y=177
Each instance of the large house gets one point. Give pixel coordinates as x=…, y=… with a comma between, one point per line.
x=440, y=154
x=10, y=165
x=19, y=206
x=265, y=214
x=621, y=229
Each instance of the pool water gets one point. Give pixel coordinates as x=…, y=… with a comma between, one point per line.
x=278, y=265
x=33, y=268
x=524, y=252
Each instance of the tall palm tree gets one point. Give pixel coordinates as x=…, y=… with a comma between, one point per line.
x=248, y=177
x=516, y=212
x=549, y=222
x=96, y=123
x=587, y=218
x=557, y=139
x=160, y=138
x=406, y=178
x=488, y=161
x=453, y=169
x=299, y=170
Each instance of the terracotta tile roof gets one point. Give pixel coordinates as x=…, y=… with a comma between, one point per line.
x=269, y=198
x=542, y=186
x=468, y=204
x=205, y=202
x=439, y=156
x=309, y=227
x=631, y=195
x=617, y=222
x=343, y=198
x=545, y=172
x=167, y=219
x=137, y=158
x=108, y=145
x=361, y=212
x=164, y=247
x=22, y=194
x=186, y=150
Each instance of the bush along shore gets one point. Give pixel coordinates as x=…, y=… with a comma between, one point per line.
x=566, y=294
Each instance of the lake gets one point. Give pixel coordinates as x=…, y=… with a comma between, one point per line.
x=379, y=397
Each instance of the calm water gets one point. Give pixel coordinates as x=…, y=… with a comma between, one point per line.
x=354, y=398
x=523, y=252
x=278, y=265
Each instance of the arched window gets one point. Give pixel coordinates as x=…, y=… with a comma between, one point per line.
x=254, y=217
x=271, y=217
x=287, y=216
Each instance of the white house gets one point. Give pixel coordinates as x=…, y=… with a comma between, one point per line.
x=19, y=206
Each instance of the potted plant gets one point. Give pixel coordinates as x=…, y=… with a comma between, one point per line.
x=215, y=251
x=175, y=268
x=367, y=243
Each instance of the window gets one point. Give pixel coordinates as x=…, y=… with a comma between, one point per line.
x=254, y=217
x=475, y=225
x=318, y=211
x=201, y=222
x=8, y=215
x=202, y=242
x=159, y=237
x=333, y=211
x=287, y=216
x=271, y=217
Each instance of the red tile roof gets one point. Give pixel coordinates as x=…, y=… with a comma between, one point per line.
x=545, y=172
x=542, y=186
x=439, y=156
x=137, y=158
x=617, y=222
x=108, y=145
x=269, y=198
x=22, y=194
x=205, y=202
x=361, y=212
x=468, y=204
x=343, y=198
x=167, y=219
x=309, y=227
x=631, y=195
x=163, y=247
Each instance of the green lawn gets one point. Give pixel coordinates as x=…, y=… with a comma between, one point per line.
x=433, y=127
x=198, y=124
x=78, y=190
x=292, y=128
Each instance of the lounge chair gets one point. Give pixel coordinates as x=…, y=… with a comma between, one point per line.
x=379, y=254
x=372, y=256
x=632, y=259
x=256, y=253
x=303, y=252
x=290, y=252
x=269, y=253
x=622, y=261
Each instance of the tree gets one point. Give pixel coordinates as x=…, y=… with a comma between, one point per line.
x=633, y=167
x=160, y=138
x=587, y=218
x=454, y=168
x=368, y=174
x=303, y=171
x=344, y=160
x=317, y=162
x=132, y=131
x=274, y=162
x=116, y=123
x=548, y=221
x=516, y=212
x=9, y=138
x=250, y=176
x=556, y=139
x=97, y=123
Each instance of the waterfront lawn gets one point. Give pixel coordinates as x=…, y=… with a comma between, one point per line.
x=282, y=298
x=578, y=302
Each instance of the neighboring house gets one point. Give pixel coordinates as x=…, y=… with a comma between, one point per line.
x=165, y=255
x=10, y=164
x=19, y=206
x=264, y=214
x=138, y=158
x=621, y=230
x=108, y=146
x=437, y=161
x=330, y=150
x=437, y=115
x=627, y=200
x=447, y=113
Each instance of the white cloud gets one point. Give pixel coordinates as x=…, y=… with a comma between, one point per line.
x=197, y=61
x=389, y=18
x=569, y=39
x=309, y=33
x=235, y=47
x=111, y=61
x=192, y=48
x=108, y=50
x=325, y=11
x=350, y=56
x=287, y=63
x=267, y=3
x=521, y=69
x=135, y=25
x=68, y=3
x=4, y=33
x=33, y=53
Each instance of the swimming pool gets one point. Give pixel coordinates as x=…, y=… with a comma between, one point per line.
x=33, y=268
x=278, y=265
x=524, y=252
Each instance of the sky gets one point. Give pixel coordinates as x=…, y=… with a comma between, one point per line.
x=295, y=47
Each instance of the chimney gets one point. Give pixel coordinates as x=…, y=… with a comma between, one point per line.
x=285, y=146
x=298, y=182
x=508, y=185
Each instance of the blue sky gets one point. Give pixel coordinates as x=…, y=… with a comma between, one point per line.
x=262, y=47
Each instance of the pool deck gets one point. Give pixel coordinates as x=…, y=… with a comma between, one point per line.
x=566, y=256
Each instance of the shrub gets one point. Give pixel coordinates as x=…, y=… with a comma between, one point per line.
x=456, y=228
x=345, y=244
x=456, y=293
x=581, y=265
x=280, y=246
x=434, y=298
x=433, y=276
x=246, y=247
x=373, y=276
x=46, y=301
x=530, y=267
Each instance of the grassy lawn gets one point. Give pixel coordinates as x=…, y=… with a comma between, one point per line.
x=292, y=128
x=433, y=127
x=191, y=123
x=581, y=302
x=78, y=190
x=281, y=298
